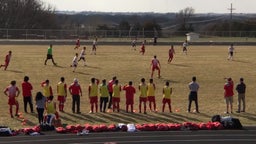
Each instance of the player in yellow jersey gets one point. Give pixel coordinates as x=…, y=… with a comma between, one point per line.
x=62, y=93
x=151, y=95
x=93, y=94
x=103, y=96
x=116, y=96
x=167, y=91
x=47, y=89
x=143, y=95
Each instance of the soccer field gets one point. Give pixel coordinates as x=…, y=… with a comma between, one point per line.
x=208, y=63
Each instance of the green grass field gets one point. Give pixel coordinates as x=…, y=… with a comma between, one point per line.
x=208, y=63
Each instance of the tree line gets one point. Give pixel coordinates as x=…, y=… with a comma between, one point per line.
x=34, y=14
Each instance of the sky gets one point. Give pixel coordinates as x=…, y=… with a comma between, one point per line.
x=157, y=6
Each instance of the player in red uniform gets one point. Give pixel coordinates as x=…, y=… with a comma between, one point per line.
x=142, y=49
x=130, y=91
x=110, y=90
x=77, y=44
x=171, y=53
x=155, y=65
x=7, y=60
x=13, y=92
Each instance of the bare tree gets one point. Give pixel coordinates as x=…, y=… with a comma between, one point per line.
x=183, y=18
x=26, y=14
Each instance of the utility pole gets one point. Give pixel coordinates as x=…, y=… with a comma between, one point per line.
x=231, y=17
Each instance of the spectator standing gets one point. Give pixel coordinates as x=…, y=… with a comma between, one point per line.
x=76, y=91
x=241, y=88
x=228, y=94
x=27, y=94
x=40, y=105
x=193, y=87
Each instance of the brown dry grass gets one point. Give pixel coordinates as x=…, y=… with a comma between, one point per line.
x=208, y=63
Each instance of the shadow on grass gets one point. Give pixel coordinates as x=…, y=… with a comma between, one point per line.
x=15, y=71
x=171, y=118
x=82, y=73
x=114, y=118
x=171, y=81
x=80, y=117
x=181, y=65
x=93, y=118
x=94, y=67
x=66, y=118
x=187, y=118
x=28, y=122
x=58, y=66
x=241, y=61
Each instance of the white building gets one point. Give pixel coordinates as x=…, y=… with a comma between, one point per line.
x=192, y=36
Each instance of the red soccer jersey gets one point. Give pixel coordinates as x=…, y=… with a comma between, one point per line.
x=110, y=85
x=11, y=91
x=130, y=91
x=26, y=89
x=155, y=62
x=228, y=87
x=7, y=58
x=75, y=89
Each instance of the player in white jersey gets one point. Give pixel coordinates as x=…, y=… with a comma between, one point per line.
x=94, y=46
x=75, y=62
x=82, y=55
x=231, y=50
x=185, y=45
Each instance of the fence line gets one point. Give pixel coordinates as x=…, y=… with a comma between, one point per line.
x=45, y=34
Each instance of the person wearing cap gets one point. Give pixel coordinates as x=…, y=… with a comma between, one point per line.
x=7, y=60
x=76, y=91
x=193, y=87
x=241, y=88
x=228, y=94
x=12, y=91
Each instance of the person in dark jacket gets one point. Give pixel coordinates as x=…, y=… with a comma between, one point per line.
x=241, y=88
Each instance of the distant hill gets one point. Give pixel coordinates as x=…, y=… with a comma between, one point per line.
x=165, y=20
